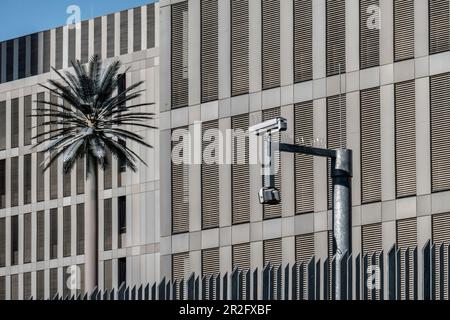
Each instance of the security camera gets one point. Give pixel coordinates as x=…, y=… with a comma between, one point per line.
x=271, y=126
x=269, y=195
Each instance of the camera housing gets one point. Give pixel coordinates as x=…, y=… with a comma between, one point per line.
x=269, y=195
x=278, y=124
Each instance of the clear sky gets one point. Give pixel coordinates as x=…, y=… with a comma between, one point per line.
x=23, y=17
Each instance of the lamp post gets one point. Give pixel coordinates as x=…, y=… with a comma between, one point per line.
x=341, y=173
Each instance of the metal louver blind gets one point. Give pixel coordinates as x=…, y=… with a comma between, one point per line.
x=272, y=252
x=440, y=132
x=84, y=41
x=2, y=288
x=303, y=41
x=370, y=146
x=54, y=180
x=27, y=242
x=27, y=111
x=441, y=236
x=14, y=287
x=2, y=184
x=123, y=32
x=80, y=176
x=335, y=37
x=110, y=36
x=14, y=181
x=304, y=164
x=210, y=262
x=59, y=48
x=405, y=139
x=2, y=242
x=27, y=179
x=403, y=29
x=98, y=36
x=46, y=52
x=304, y=251
x=107, y=224
x=180, y=266
x=209, y=50
x=71, y=45
x=369, y=46
x=33, y=54
x=40, y=181
x=67, y=231
x=53, y=233
x=22, y=56
x=14, y=123
x=336, y=132
x=40, y=241
x=240, y=35
x=10, y=60
x=80, y=229
x=241, y=256
x=210, y=175
x=372, y=245
x=180, y=193
x=107, y=275
x=150, y=26
x=406, y=238
x=270, y=44
x=53, y=282
x=26, y=286
x=439, y=26
x=2, y=124
x=137, y=29
x=274, y=211
x=179, y=51
x=240, y=170
x=40, y=284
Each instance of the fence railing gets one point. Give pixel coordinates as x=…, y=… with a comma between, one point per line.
x=399, y=274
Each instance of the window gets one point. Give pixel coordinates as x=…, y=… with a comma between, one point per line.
x=372, y=246
x=180, y=188
x=10, y=60
x=67, y=184
x=210, y=269
x=370, y=146
x=84, y=41
x=53, y=233
x=124, y=32
x=14, y=123
x=369, y=46
x=22, y=56
x=210, y=175
x=180, y=266
x=406, y=239
x=67, y=231
x=441, y=238
x=53, y=282
x=270, y=44
x=82, y=280
x=80, y=176
x=179, y=57
x=107, y=173
x=110, y=26
x=15, y=287
x=241, y=257
x=14, y=240
x=240, y=170
x=72, y=44
x=40, y=243
x=107, y=224
x=304, y=164
x=2, y=242
x=27, y=238
x=2, y=124
x=335, y=37
x=336, y=132
x=303, y=41
x=107, y=275
x=98, y=36
x=27, y=120
x=209, y=50
x=239, y=47
x=59, y=47
x=34, y=53
x=304, y=252
x=14, y=182
x=2, y=288
x=40, y=177
x=150, y=26
x=40, y=285
x=137, y=29
x=2, y=184
x=54, y=180
x=46, y=52
x=405, y=139
x=80, y=229
x=27, y=295
x=122, y=271
x=122, y=210
x=122, y=166
x=403, y=30
x=40, y=120
x=440, y=132
x=273, y=211
x=439, y=26
x=272, y=252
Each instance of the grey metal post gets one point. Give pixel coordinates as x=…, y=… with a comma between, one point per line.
x=342, y=207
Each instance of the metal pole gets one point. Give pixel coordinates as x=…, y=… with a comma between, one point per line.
x=342, y=208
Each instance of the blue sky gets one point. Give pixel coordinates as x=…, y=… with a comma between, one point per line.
x=22, y=17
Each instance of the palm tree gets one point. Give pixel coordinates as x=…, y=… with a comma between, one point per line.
x=90, y=129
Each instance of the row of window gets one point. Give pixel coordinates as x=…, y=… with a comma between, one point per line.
x=26, y=51
x=371, y=245
x=55, y=278
x=370, y=138
x=70, y=222
x=370, y=25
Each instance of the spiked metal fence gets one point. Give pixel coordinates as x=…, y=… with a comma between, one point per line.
x=399, y=274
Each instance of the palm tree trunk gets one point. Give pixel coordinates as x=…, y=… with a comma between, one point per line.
x=91, y=227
